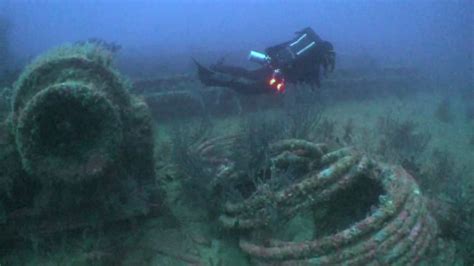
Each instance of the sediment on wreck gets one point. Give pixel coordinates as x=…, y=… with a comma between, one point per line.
x=82, y=144
x=364, y=212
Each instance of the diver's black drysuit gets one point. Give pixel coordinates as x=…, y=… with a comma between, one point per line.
x=299, y=60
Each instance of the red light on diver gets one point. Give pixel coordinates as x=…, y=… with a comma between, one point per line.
x=276, y=82
x=281, y=87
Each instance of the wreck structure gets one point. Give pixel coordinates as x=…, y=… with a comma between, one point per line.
x=361, y=211
x=77, y=147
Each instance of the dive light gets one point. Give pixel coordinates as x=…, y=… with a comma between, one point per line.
x=259, y=58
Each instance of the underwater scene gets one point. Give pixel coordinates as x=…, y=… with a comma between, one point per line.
x=236, y=132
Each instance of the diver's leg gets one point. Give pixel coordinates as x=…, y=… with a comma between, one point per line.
x=239, y=72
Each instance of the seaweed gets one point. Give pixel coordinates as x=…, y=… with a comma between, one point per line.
x=440, y=173
x=443, y=111
x=251, y=152
x=255, y=135
x=458, y=224
x=195, y=173
x=451, y=188
x=326, y=130
x=348, y=131
x=303, y=113
x=464, y=229
x=400, y=140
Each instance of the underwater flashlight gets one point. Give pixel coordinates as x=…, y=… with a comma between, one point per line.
x=259, y=58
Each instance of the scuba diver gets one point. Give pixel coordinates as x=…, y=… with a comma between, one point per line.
x=296, y=61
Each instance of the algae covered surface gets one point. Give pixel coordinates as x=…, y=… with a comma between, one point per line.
x=187, y=232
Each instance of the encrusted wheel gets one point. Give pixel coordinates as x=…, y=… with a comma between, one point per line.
x=69, y=113
x=68, y=131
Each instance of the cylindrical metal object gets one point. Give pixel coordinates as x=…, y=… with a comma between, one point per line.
x=70, y=111
x=259, y=58
x=69, y=130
